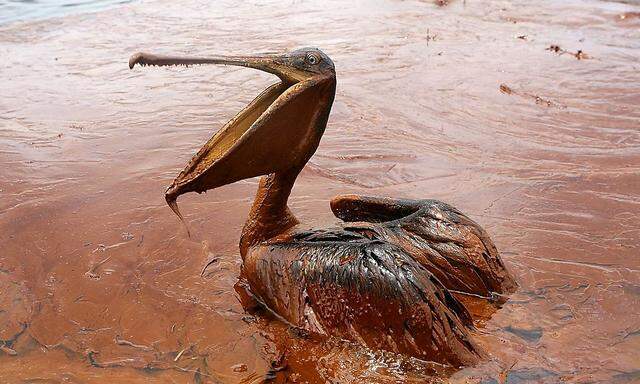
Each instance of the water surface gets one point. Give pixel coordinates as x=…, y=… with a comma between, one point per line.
x=17, y=10
x=463, y=102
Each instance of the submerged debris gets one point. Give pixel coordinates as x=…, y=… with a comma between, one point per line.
x=539, y=100
x=280, y=362
x=528, y=334
x=431, y=37
x=580, y=55
x=179, y=355
x=7, y=350
x=91, y=357
x=92, y=273
x=120, y=341
x=629, y=16
x=213, y=260
x=239, y=368
x=504, y=374
x=505, y=89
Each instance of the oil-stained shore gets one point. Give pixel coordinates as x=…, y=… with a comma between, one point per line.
x=523, y=115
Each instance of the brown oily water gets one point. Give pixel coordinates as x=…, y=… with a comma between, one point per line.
x=99, y=280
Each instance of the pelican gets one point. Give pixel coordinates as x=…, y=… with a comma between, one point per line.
x=388, y=275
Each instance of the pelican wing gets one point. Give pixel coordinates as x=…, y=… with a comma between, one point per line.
x=342, y=283
x=441, y=238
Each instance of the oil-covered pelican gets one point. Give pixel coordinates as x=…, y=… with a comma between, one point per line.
x=384, y=277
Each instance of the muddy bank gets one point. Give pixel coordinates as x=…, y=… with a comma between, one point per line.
x=99, y=279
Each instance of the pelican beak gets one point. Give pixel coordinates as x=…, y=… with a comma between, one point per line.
x=277, y=131
x=275, y=64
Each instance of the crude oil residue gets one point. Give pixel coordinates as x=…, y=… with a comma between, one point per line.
x=461, y=101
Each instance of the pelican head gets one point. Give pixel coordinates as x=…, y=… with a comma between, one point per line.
x=276, y=133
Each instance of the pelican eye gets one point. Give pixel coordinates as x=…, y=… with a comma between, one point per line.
x=312, y=59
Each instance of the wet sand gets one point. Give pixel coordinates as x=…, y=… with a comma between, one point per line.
x=463, y=102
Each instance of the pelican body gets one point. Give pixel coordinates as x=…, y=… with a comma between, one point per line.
x=386, y=276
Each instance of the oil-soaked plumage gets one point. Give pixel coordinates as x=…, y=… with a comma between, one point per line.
x=441, y=238
x=385, y=276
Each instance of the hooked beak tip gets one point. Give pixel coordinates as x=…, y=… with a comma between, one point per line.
x=138, y=58
x=171, y=197
x=134, y=59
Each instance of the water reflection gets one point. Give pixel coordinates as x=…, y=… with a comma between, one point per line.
x=20, y=10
